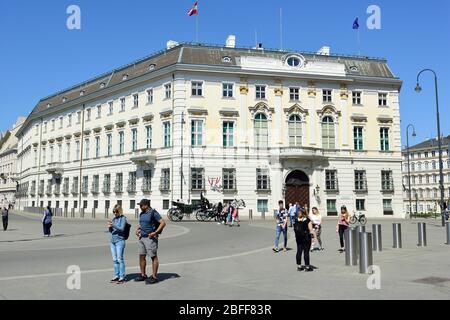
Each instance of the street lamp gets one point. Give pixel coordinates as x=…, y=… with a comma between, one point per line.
x=409, y=169
x=441, y=165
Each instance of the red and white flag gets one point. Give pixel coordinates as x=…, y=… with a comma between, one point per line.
x=193, y=10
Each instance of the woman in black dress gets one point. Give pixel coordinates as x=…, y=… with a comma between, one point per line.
x=304, y=232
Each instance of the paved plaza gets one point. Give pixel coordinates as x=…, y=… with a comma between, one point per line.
x=210, y=261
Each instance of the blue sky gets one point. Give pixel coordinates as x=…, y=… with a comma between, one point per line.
x=40, y=56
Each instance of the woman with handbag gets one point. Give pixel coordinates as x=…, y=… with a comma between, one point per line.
x=304, y=233
x=117, y=228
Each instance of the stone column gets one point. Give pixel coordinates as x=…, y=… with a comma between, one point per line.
x=243, y=93
x=277, y=129
x=179, y=130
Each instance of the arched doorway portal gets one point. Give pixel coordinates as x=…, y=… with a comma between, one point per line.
x=297, y=188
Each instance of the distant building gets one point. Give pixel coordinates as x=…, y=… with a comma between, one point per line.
x=258, y=124
x=424, y=169
x=8, y=165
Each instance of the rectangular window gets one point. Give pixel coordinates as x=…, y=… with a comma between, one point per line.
x=78, y=117
x=45, y=127
x=134, y=142
x=167, y=139
x=331, y=182
x=358, y=140
x=61, y=122
x=382, y=99
x=44, y=156
x=36, y=130
x=97, y=147
x=85, y=186
x=147, y=183
x=227, y=90
x=122, y=104
x=107, y=183
x=35, y=158
x=99, y=112
x=197, y=88
x=135, y=100
x=86, y=149
x=356, y=98
x=228, y=134
x=118, y=187
x=132, y=204
x=294, y=94
x=59, y=153
x=148, y=131
x=53, y=125
x=387, y=181
x=262, y=179
x=88, y=115
x=109, y=138
x=165, y=180
x=360, y=205
x=110, y=108
x=132, y=177
x=331, y=208
x=327, y=96
x=121, y=143
x=168, y=91
x=360, y=180
x=51, y=154
x=166, y=204
x=69, y=120
x=96, y=184
x=260, y=92
x=150, y=96
x=384, y=139
x=197, y=133
x=229, y=179
x=387, y=207
x=197, y=178
x=263, y=206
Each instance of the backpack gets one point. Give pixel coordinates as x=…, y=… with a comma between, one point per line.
x=126, y=231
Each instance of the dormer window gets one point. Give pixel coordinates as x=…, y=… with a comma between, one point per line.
x=354, y=69
x=295, y=61
x=64, y=99
x=124, y=77
x=49, y=105
x=102, y=85
x=82, y=92
x=226, y=59
x=152, y=67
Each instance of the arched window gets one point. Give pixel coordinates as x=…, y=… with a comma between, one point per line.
x=328, y=133
x=427, y=166
x=433, y=165
x=413, y=167
x=419, y=166
x=261, y=131
x=295, y=131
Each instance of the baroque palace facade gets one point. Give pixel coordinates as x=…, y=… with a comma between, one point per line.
x=261, y=125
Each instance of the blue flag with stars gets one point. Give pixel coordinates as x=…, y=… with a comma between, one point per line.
x=356, y=24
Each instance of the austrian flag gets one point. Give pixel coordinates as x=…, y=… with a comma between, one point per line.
x=194, y=10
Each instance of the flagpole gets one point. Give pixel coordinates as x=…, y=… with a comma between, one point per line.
x=196, y=28
x=359, y=43
x=281, y=29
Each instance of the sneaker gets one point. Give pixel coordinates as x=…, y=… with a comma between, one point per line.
x=309, y=269
x=276, y=250
x=284, y=250
x=151, y=280
x=141, y=278
x=301, y=268
x=341, y=250
x=121, y=281
x=114, y=280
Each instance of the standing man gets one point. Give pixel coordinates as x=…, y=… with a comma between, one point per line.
x=292, y=214
x=150, y=227
x=282, y=227
x=5, y=219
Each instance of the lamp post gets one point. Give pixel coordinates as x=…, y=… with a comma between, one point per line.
x=409, y=168
x=441, y=165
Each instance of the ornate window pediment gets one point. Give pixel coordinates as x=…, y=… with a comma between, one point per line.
x=262, y=108
x=330, y=111
x=296, y=109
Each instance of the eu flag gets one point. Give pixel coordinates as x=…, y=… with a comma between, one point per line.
x=356, y=24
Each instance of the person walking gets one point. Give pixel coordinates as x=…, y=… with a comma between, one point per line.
x=5, y=214
x=304, y=232
x=292, y=214
x=342, y=226
x=151, y=225
x=47, y=221
x=117, y=228
x=316, y=219
x=282, y=220
x=446, y=214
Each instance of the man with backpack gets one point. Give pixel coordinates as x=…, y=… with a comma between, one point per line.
x=151, y=225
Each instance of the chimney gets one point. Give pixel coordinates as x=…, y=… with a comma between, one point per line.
x=324, y=51
x=260, y=46
x=231, y=41
x=172, y=44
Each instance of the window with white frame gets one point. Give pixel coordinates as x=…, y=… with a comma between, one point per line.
x=261, y=131
x=51, y=154
x=45, y=127
x=134, y=140
x=67, y=152
x=88, y=115
x=149, y=96
x=168, y=90
x=109, y=140
x=135, y=100
x=167, y=134
x=53, y=124
x=384, y=139
x=228, y=134
x=61, y=122
x=360, y=205
x=328, y=133
x=260, y=92
x=331, y=182
x=197, y=133
x=121, y=143
x=227, y=90
x=99, y=112
x=387, y=180
x=327, y=95
x=358, y=139
x=356, y=98
x=148, y=136
x=165, y=179
x=69, y=120
x=360, y=180
x=229, y=179
x=110, y=108
x=122, y=104
x=262, y=179
x=77, y=150
x=78, y=117
x=197, y=178
x=59, y=153
x=86, y=149
x=294, y=94
x=97, y=147
x=197, y=88
x=295, y=131
x=382, y=99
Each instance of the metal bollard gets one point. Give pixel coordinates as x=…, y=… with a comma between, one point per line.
x=365, y=253
x=263, y=215
x=397, y=231
x=106, y=214
x=136, y=213
x=72, y=213
x=93, y=213
x=422, y=228
x=351, y=257
x=82, y=213
x=377, y=238
x=361, y=229
x=448, y=233
x=250, y=214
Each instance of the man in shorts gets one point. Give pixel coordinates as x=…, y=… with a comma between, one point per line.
x=150, y=227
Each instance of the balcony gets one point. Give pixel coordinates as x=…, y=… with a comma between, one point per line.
x=300, y=152
x=33, y=191
x=85, y=190
x=95, y=188
x=106, y=188
x=144, y=156
x=57, y=191
x=164, y=185
x=74, y=189
x=146, y=187
x=118, y=188
x=55, y=168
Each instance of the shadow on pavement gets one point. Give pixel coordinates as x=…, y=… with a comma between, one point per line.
x=161, y=276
